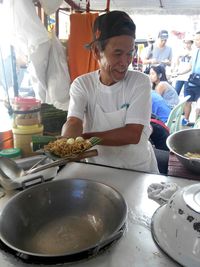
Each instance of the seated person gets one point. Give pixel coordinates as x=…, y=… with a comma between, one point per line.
x=160, y=132
x=161, y=85
x=159, y=106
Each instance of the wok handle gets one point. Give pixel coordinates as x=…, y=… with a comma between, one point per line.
x=109, y=240
x=59, y=162
x=32, y=181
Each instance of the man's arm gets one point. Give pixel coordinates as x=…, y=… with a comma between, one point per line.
x=73, y=127
x=129, y=134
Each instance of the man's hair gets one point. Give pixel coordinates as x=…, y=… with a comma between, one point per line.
x=114, y=23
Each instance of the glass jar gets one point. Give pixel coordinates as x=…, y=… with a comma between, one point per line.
x=26, y=111
x=22, y=136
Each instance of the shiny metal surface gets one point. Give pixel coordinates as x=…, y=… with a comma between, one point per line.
x=191, y=196
x=13, y=173
x=62, y=217
x=175, y=226
x=16, y=174
x=186, y=141
x=9, y=169
x=136, y=248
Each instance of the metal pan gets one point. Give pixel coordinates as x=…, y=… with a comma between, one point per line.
x=185, y=141
x=63, y=217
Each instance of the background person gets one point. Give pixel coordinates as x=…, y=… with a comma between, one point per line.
x=148, y=51
x=113, y=103
x=190, y=88
x=160, y=133
x=182, y=63
x=159, y=107
x=161, y=85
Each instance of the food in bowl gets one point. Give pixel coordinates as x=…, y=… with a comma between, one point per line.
x=182, y=142
x=192, y=155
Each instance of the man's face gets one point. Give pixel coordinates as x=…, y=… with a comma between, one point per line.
x=162, y=42
x=197, y=40
x=115, y=59
x=187, y=44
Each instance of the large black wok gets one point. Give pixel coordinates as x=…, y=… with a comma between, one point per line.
x=62, y=217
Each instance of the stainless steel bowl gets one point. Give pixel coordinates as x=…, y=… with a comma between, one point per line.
x=185, y=141
x=175, y=226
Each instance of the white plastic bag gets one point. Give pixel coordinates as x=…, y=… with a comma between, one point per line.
x=58, y=79
x=28, y=30
x=50, y=6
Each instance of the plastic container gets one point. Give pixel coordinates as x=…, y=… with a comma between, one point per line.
x=26, y=111
x=12, y=153
x=6, y=136
x=22, y=136
x=6, y=139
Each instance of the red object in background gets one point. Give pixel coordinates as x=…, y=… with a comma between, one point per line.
x=6, y=139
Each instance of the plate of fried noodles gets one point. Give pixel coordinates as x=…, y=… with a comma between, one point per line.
x=69, y=147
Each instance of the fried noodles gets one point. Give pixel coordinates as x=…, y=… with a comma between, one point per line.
x=61, y=148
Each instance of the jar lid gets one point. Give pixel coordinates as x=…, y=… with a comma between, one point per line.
x=10, y=152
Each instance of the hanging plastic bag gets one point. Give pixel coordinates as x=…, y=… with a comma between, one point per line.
x=50, y=7
x=58, y=79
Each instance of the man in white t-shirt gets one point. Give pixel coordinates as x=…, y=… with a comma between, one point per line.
x=190, y=89
x=113, y=103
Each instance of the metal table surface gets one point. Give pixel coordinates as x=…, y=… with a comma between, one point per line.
x=136, y=248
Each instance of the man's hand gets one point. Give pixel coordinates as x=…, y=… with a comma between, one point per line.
x=73, y=127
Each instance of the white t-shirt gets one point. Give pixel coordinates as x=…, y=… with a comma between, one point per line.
x=133, y=91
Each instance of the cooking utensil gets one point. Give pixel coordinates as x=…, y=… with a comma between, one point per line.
x=183, y=142
x=13, y=174
x=176, y=226
x=62, y=161
x=10, y=170
x=37, y=163
x=63, y=217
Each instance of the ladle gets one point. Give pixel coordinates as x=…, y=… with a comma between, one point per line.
x=10, y=170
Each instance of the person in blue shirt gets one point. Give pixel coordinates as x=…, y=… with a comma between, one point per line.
x=159, y=106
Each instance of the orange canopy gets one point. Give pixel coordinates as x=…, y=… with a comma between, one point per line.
x=80, y=59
